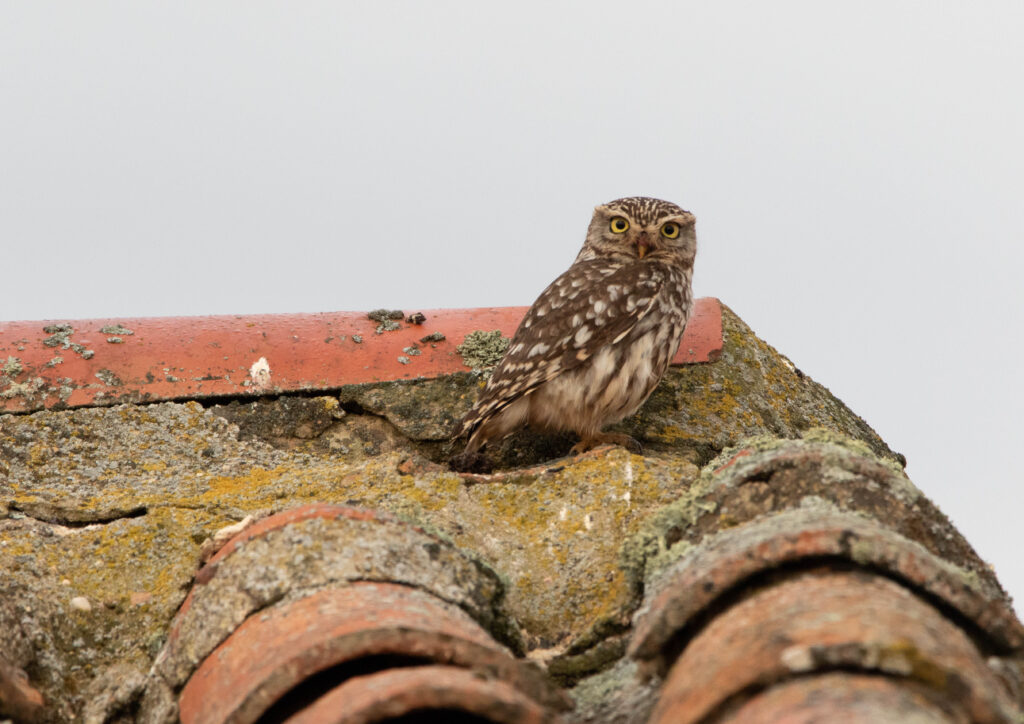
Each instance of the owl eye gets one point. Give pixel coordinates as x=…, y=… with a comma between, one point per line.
x=670, y=230
x=619, y=225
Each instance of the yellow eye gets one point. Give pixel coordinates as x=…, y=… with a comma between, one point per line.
x=619, y=225
x=670, y=230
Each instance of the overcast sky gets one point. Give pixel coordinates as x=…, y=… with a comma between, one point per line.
x=857, y=172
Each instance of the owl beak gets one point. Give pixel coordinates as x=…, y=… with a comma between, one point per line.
x=643, y=246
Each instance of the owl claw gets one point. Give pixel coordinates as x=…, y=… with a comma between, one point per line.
x=606, y=438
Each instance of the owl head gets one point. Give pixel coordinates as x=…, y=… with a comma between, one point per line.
x=639, y=228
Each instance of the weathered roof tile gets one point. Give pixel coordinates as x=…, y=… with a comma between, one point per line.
x=106, y=362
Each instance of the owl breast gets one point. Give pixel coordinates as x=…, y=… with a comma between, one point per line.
x=619, y=376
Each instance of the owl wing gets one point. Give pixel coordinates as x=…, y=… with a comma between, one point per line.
x=593, y=304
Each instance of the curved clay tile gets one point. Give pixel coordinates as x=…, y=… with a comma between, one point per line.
x=353, y=593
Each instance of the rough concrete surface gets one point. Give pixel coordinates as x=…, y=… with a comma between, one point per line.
x=112, y=505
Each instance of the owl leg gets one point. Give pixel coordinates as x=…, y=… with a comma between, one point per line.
x=592, y=440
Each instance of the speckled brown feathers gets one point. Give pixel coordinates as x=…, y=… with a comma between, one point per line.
x=596, y=342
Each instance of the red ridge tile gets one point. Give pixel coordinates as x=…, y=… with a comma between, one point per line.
x=108, y=361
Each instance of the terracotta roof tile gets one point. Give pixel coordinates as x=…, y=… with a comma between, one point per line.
x=337, y=636
x=841, y=698
x=819, y=622
x=322, y=621
x=732, y=559
x=432, y=693
x=108, y=361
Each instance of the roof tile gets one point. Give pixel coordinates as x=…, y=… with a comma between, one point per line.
x=822, y=621
x=109, y=361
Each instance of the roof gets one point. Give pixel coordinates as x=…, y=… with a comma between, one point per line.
x=185, y=549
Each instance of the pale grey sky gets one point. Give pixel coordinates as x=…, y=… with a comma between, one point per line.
x=857, y=171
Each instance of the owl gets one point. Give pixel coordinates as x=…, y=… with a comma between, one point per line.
x=597, y=341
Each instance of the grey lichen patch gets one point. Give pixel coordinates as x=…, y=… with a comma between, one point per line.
x=60, y=335
x=403, y=360
x=115, y=340
x=840, y=452
x=388, y=319
x=660, y=541
x=412, y=351
x=54, y=361
x=12, y=367
x=432, y=337
x=357, y=338
x=108, y=378
x=617, y=695
x=831, y=437
x=27, y=390
x=384, y=315
x=482, y=350
x=117, y=329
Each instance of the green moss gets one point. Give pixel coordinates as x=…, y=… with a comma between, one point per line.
x=658, y=543
x=831, y=437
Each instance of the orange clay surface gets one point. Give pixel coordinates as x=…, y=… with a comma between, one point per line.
x=57, y=364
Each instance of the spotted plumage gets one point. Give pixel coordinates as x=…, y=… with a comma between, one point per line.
x=596, y=342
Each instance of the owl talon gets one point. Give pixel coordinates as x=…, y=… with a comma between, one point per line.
x=579, y=448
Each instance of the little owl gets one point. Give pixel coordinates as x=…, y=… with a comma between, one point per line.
x=597, y=341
